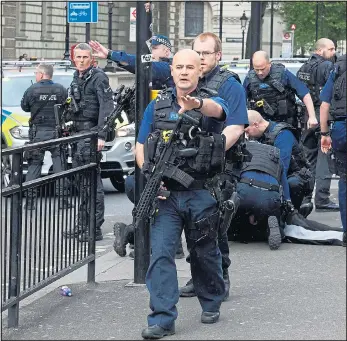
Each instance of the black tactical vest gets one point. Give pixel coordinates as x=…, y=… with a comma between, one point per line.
x=219, y=78
x=265, y=158
x=210, y=146
x=338, y=103
x=44, y=98
x=85, y=95
x=308, y=73
x=298, y=162
x=281, y=98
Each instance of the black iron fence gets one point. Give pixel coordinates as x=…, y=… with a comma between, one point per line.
x=37, y=217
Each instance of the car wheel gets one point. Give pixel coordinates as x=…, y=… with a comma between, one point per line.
x=5, y=171
x=118, y=183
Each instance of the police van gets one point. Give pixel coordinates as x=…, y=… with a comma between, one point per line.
x=17, y=77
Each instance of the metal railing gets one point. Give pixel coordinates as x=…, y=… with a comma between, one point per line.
x=34, y=250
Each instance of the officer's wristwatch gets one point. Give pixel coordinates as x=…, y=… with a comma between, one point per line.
x=327, y=133
x=201, y=100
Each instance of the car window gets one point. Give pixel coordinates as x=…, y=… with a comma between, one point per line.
x=294, y=68
x=13, y=88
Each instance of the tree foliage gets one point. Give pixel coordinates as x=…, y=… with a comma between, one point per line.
x=331, y=21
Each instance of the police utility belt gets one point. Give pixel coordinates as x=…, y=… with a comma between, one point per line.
x=260, y=184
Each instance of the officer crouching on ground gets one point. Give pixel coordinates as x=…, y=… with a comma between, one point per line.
x=193, y=208
x=259, y=187
x=333, y=97
x=92, y=92
x=39, y=99
x=295, y=167
x=271, y=90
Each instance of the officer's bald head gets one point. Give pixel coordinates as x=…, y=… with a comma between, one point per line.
x=261, y=64
x=188, y=54
x=254, y=117
x=325, y=48
x=186, y=70
x=257, y=124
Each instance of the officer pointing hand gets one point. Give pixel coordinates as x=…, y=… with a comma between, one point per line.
x=190, y=103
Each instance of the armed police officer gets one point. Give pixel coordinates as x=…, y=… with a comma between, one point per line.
x=160, y=47
x=295, y=166
x=261, y=183
x=91, y=90
x=189, y=204
x=228, y=87
x=315, y=73
x=271, y=90
x=333, y=97
x=39, y=99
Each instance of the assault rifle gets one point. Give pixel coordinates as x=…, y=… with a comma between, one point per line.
x=164, y=165
x=122, y=104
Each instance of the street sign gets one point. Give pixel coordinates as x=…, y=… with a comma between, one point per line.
x=293, y=27
x=132, y=28
x=233, y=40
x=286, y=35
x=287, y=44
x=82, y=12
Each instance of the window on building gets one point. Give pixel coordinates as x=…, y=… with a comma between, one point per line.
x=194, y=18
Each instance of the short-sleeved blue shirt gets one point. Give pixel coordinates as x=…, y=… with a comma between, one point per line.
x=231, y=91
x=147, y=121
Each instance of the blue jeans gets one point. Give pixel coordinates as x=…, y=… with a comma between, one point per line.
x=183, y=208
x=130, y=187
x=339, y=144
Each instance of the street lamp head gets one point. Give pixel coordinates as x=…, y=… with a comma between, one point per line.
x=243, y=20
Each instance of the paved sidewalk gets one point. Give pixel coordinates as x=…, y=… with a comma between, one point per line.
x=297, y=292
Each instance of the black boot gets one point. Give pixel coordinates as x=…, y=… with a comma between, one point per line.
x=274, y=233
x=344, y=239
x=73, y=233
x=120, y=232
x=85, y=236
x=306, y=209
x=227, y=283
x=188, y=290
x=157, y=332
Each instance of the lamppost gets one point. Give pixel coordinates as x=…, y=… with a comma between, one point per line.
x=109, y=67
x=67, y=37
x=243, y=20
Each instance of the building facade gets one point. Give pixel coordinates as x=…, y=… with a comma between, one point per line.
x=38, y=28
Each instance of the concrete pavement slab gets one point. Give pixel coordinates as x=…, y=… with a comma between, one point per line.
x=297, y=292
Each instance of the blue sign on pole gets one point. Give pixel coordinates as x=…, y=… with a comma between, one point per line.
x=82, y=12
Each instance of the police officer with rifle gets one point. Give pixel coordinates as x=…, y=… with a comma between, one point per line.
x=39, y=99
x=178, y=155
x=93, y=95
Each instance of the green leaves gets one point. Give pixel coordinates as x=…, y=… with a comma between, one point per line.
x=331, y=21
